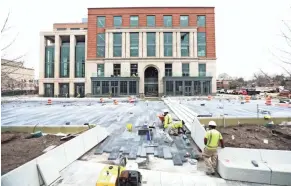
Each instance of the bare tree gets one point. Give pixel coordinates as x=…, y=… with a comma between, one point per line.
x=9, y=81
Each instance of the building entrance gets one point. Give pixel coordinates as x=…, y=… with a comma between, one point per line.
x=151, y=83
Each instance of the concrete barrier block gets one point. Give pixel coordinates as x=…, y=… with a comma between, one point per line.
x=90, y=139
x=281, y=174
x=48, y=170
x=239, y=154
x=101, y=133
x=74, y=149
x=26, y=175
x=276, y=156
x=244, y=171
x=199, y=134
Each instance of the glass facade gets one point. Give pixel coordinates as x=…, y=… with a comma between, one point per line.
x=117, y=21
x=201, y=21
x=123, y=87
x=132, y=88
x=101, y=21
x=96, y=88
x=48, y=90
x=168, y=69
x=184, y=44
x=178, y=88
x=65, y=60
x=49, y=61
x=185, y=69
x=167, y=21
x=100, y=70
x=151, y=44
x=117, y=44
x=80, y=60
x=134, y=41
x=116, y=69
x=168, y=44
x=184, y=21
x=105, y=87
x=151, y=21
x=101, y=45
x=202, y=70
x=64, y=90
x=201, y=39
x=170, y=88
x=134, y=21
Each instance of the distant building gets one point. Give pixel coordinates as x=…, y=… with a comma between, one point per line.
x=222, y=84
x=142, y=51
x=17, y=79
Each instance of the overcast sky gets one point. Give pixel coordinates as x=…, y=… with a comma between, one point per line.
x=247, y=31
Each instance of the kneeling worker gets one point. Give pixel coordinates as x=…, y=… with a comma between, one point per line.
x=167, y=120
x=176, y=127
x=211, y=140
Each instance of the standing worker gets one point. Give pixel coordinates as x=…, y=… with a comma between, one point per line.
x=167, y=120
x=211, y=140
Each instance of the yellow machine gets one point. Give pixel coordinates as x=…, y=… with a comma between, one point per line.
x=117, y=175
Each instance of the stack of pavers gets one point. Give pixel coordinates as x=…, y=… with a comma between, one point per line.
x=136, y=146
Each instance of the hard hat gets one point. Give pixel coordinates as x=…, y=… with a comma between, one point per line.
x=212, y=123
x=165, y=110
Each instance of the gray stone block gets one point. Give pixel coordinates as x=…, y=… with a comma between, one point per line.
x=133, y=153
x=114, y=154
x=139, y=151
x=179, y=143
x=156, y=154
x=167, y=153
x=160, y=152
x=177, y=159
x=127, y=149
x=150, y=150
x=143, y=153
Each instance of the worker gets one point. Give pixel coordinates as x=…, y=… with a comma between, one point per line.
x=176, y=127
x=167, y=120
x=211, y=140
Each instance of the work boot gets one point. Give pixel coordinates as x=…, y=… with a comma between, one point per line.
x=210, y=173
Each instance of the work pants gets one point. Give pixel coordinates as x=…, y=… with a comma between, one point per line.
x=210, y=159
x=172, y=130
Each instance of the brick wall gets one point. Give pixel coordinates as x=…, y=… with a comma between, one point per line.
x=142, y=13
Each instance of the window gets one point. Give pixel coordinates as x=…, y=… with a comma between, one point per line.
x=201, y=21
x=61, y=29
x=49, y=61
x=202, y=70
x=134, y=40
x=123, y=87
x=168, y=44
x=101, y=21
x=105, y=87
x=65, y=60
x=185, y=69
x=168, y=69
x=134, y=21
x=96, y=87
x=184, y=21
x=169, y=88
x=178, y=88
x=80, y=59
x=64, y=89
x=201, y=39
x=117, y=21
x=101, y=45
x=116, y=69
x=132, y=88
x=151, y=21
x=100, y=70
x=117, y=44
x=133, y=69
x=74, y=28
x=48, y=89
x=167, y=21
x=151, y=44
x=184, y=44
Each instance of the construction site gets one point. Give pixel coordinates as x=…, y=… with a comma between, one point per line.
x=77, y=153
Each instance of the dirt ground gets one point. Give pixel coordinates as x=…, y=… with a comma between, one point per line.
x=260, y=137
x=17, y=150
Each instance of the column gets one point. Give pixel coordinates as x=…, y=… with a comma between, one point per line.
x=86, y=41
x=108, y=68
x=40, y=88
x=174, y=44
x=174, y=88
x=106, y=44
x=127, y=45
x=192, y=88
x=127, y=87
x=191, y=44
x=57, y=56
x=56, y=89
x=157, y=44
x=137, y=88
x=42, y=58
x=72, y=56
x=183, y=88
x=178, y=44
x=195, y=44
x=193, y=68
x=125, y=69
x=123, y=45
x=165, y=89
x=144, y=44
x=71, y=90
x=110, y=45
x=140, y=44
x=201, y=86
x=161, y=44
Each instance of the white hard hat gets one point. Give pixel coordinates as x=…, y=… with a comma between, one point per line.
x=165, y=110
x=212, y=123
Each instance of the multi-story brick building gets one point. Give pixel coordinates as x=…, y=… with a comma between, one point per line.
x=142, y=51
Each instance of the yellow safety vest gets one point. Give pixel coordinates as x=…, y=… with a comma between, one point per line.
x=167, y=120
x=213, y=136
x=178, y=125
